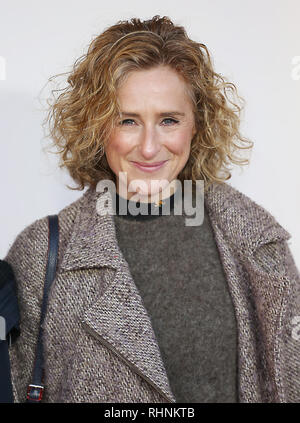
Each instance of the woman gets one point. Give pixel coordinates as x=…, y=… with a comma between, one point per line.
x=145, y=307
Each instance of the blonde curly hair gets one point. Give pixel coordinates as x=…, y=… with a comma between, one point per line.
x=83, y=116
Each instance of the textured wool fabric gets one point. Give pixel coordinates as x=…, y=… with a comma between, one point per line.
x=99, y=342
x=180, y=278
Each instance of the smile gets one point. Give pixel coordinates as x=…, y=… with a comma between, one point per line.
x=149, y=167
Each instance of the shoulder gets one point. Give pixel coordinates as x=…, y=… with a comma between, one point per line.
x=254, y=235
x=244, y=222
x=28, y=252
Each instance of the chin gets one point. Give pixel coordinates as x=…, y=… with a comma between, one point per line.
x=153, y=188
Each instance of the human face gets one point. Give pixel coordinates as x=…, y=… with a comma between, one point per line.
x=156, y=126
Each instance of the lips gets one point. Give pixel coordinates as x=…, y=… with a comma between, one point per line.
x=150, y=164
x=149, y=167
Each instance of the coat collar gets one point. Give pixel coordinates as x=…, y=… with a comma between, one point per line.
x=119, y=316
x=245, y=224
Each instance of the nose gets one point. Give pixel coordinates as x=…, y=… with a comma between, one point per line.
x=150, y=144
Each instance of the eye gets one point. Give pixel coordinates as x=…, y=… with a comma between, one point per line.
x=130, y=122
x=173, y=121
x=125, y=122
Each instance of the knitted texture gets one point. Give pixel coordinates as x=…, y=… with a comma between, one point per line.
x=180, y=278
x=98, y=339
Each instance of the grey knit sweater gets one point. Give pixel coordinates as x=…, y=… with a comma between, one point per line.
x=180, y=278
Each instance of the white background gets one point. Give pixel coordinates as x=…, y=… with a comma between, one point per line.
x=253, y=44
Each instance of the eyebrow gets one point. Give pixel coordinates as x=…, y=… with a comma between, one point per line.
x=164, y=114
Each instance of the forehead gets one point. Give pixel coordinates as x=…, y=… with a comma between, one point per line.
x=160, y=85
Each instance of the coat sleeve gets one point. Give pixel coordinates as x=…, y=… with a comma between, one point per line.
x=291, y=332
x=276, y=284
x=27, y=257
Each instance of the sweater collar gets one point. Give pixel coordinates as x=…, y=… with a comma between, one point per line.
x=144, y=211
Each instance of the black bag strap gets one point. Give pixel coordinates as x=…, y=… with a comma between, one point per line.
x=36, y=389
x=6, y=393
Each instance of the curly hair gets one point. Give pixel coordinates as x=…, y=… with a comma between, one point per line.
x=83, y=116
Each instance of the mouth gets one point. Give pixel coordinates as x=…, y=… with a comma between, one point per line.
x=149, y=167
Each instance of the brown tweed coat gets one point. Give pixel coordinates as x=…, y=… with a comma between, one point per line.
x=99, y=342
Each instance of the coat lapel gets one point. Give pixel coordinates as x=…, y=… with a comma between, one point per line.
x=245, y=224
x=255, y=238
x=119, y=319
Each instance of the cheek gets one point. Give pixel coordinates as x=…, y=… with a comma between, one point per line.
x=118, y=145
x=180, y=143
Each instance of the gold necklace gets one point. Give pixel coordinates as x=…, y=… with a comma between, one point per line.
x=159, y=203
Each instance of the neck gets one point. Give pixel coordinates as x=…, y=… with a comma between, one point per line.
x=148, y=198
